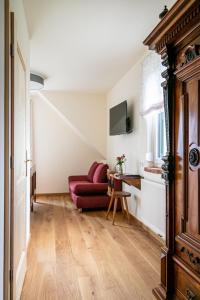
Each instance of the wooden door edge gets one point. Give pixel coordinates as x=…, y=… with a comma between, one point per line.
x=7, y=144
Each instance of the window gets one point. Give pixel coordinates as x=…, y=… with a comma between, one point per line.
x=152, y=109
x=160, y=136
x=152, y=92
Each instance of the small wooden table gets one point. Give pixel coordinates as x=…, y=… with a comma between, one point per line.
x=133, y=180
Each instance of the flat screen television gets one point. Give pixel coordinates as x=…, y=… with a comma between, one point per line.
x=119, y=121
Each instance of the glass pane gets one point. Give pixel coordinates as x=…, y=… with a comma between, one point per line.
x=161, y=135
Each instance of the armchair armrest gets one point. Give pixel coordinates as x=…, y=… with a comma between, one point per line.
x=78, y=178
x=90, y=188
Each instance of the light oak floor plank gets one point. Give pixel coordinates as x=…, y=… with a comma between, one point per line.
x=76, y=255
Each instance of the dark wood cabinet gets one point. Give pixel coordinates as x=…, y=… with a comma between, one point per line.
x=177, y=39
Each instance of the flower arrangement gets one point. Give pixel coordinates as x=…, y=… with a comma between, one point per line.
x=120, y=162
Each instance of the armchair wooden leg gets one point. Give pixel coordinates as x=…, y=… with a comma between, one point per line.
x=109, y=207
x=127, y=211
x=114, y=210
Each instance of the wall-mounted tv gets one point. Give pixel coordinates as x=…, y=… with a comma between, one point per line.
x=119, y=121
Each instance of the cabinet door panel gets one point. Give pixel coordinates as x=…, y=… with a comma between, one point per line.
x=193, y=89
x=187, y=143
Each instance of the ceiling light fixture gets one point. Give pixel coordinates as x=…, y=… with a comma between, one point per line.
x=36, y=82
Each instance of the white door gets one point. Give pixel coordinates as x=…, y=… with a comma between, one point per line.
x=19, y=211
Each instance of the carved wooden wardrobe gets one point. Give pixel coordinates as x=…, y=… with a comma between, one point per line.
x=177, y=39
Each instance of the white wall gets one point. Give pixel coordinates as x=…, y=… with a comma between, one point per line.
x=1, y=146
x=134, y=144
x=148, y=205
x=69, y=133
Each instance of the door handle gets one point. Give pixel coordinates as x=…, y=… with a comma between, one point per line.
x=27, y=160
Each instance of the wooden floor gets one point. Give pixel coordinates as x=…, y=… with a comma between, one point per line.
x=76, y=255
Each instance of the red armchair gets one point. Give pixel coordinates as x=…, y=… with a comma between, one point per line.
x=90, y=191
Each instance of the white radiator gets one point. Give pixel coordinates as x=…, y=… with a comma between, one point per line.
x=148, y=205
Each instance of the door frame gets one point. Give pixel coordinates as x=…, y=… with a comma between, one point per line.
x=2, y=140
x=7, y=149
x=12, y=103
x=8, y=158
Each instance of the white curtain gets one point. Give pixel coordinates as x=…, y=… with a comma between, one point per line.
x=152, y=93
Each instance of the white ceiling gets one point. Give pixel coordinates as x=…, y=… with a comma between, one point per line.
x=88, y=45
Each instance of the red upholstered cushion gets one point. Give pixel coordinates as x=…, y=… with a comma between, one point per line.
x=90, y=201
x=100, y=174
x=73, y=184
x=90, y=189
x=92, y=171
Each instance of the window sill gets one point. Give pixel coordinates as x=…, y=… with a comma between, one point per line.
x=154, y=170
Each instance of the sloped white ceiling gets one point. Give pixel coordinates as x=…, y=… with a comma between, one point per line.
x=88, y=45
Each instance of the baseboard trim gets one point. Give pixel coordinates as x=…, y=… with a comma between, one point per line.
x=148, y=230
x=51, y=194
